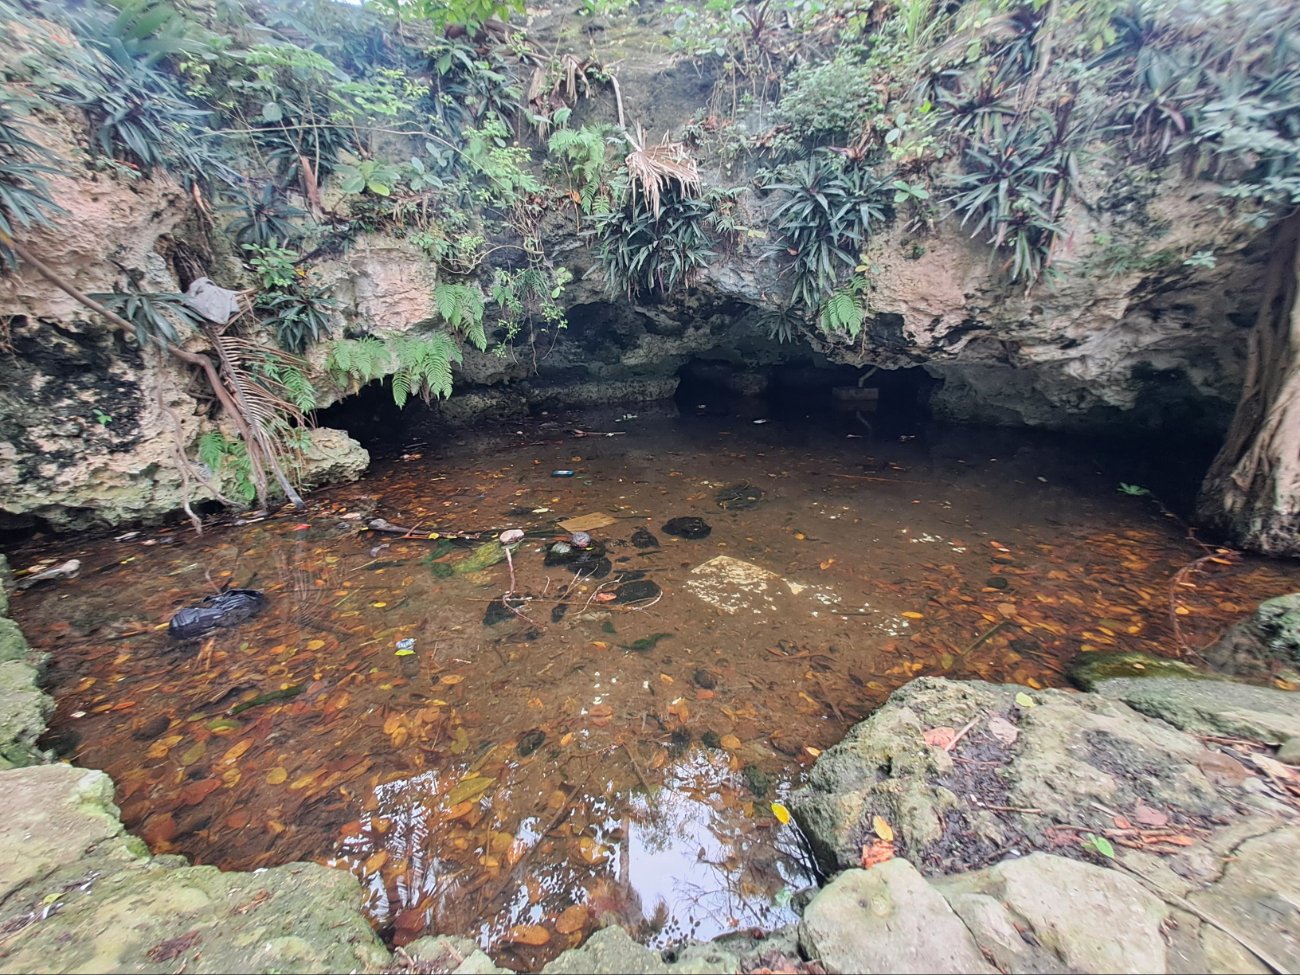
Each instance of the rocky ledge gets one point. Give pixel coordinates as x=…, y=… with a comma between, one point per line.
x=1151, y=825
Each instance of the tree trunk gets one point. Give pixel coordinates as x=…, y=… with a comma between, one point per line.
x=1251, y=495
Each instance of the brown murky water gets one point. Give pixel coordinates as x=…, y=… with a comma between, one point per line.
x=517, y=781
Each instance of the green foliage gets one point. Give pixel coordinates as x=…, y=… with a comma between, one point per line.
x=461, y=307
x=1015, y=187
x=299, y=316
x=423, y=366
x=266, y=220
x=529, y=294
x=825, y=103
x=275, y=267
x=642, y=254
x=228, y=458
x=831, y=207
x=355, y=362
x=287, y=378
x=1134, y=490
x=845, y=310
x=419, y=364
x=583, y=153
x=471, y=14
x=161, y=320
x=137, y=112
x=24, y=195
x=368, y=175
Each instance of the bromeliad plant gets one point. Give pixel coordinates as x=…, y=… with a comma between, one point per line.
x=832, y=206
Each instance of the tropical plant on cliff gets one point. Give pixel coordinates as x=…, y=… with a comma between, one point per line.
x=830, y=208
x=25, y=200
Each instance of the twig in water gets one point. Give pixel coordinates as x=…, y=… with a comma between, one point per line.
x=980, y=640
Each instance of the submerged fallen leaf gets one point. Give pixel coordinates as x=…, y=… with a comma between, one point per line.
x=533, y=935
x=912, y=614
x=729, y=742
x=277, y=775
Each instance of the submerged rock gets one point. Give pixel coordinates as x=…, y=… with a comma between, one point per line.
x=1087, y=670
x=644, y=539
x=1261, y=644
x=689, y=527
x=228, y=608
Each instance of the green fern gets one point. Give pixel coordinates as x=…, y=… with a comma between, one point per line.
x=423, y=366
x=583, y=152
x=843, y=313
x=213, y=447
x=356, y=362
x=461, y=306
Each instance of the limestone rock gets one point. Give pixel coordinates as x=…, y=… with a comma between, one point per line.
x=118, y=909
x=1211, y=707
x=887, y=919
x=1267, y=638
x=1082, y=918
x=612, y=949
x=24, y=707
x=1257, y=895
x=450, y=954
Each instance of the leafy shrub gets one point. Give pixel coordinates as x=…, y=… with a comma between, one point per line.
x=825, y=104
x=299, y=315
x=830, y=210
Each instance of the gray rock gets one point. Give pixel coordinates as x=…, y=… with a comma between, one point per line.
x=1289, y=752
x=24, y=707
x=1211, y=707
x=1082, y=918
x=612, y=949
x=448, y=953
x=887, y=919
x=1087, y=670
x=1256, y=897
x=84, y=896
x=1269, y=636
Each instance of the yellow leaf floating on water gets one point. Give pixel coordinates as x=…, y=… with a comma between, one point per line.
x=1024, y=700
x=781, y=813
x=379, y=605
x=912, y=614
x=882, y=828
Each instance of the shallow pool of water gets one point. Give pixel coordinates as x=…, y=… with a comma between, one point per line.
x=518, y=782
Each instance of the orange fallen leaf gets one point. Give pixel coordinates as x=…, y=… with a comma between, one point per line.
x=533, y=935
x=876, y=852
x=571, y=919
x=451, y=679
x=826, y=564
x=912, y=614
x=604, y=597
x=601, y=715
x=277, y=775
x=940, y=737
x=730, y=742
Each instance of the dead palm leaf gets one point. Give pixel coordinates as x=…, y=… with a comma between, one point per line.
x=654, y=167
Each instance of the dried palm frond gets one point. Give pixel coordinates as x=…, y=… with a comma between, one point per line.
x=654, y=167
x=267, y=415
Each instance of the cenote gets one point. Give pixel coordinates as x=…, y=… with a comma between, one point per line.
x=479, y=477
x=574, y=756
